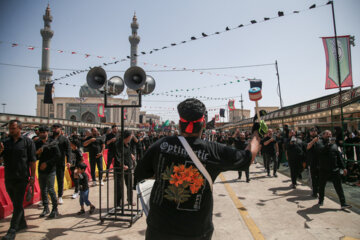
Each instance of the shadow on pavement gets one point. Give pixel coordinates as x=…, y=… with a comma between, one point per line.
x=114, y=238
x=315, y=209
x=292, y=195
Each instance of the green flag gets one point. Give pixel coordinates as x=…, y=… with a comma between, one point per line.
x=332, y=76
x=166, y=123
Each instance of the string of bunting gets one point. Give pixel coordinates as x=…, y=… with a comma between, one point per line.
x=192, y=38
x=174, y=108
x=201, y=71
x=202, y=97
x=169, y=93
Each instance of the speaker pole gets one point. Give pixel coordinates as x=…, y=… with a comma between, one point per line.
x=122, y=162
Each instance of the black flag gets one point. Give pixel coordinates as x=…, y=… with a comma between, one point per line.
x=222, y=112
x=255, y=83
x=211, y=124
x=48, y=93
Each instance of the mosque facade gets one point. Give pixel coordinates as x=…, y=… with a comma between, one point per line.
x=85, y=107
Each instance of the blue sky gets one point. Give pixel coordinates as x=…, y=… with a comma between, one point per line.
x=102, y=28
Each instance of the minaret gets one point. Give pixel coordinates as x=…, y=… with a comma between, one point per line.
x=44, y=73
x=134, y=40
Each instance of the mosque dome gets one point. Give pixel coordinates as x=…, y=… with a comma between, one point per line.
x=86, y=91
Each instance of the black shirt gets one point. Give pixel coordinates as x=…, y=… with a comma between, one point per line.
x=49, y=155
x=140, y=145
x=17, y=157
x=96, y=146
x=176, y=175
x=295, y=151
x=239, y=144
x=270, y=148
x=329, y=157
x=312, y=155
x=221, y=139
x=83, y=181
x=76, y=157
x=65, y=149
x=127, y=156
x=111, y=146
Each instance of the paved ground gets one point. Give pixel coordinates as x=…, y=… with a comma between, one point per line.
x=265, y=208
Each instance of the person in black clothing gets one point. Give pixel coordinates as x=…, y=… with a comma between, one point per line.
x=181, y=202
x=147, y=141
x=19, y=154
x=270, y=152
x=129, y=163
x=295, y=152
x=240, y=143
x=75, y=160
x=313, y=159
x=330, y=164
x=133, y=145
x=48, y=153
x=139, y=146
x=110, y=143
x=65, y=151
x=221, y=138
x=96, y=146
x=280, y=142
x=84, y=189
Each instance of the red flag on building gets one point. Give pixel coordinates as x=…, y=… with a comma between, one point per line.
x=217, y=117
x=101, y=110
x=332, y=76
x=231, y=105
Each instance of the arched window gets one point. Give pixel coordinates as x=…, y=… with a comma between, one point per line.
x=88, y=117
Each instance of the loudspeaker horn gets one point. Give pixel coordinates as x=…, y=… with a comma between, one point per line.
x=149, y=85
x=115, y=85
x=135, y=78
x=96, y=77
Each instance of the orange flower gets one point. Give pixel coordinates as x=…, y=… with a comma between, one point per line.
x=180, y=168
x=187, y=175
x=176, y=179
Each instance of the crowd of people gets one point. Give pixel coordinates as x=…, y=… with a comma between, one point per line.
x=320, y=153
x=291, y=148
x=56, y=151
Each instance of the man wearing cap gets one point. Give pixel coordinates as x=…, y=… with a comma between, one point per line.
x=48, y=153
x=65, y=151
x=312, y=159
x=96, y=146
x=181, y=202
x=19, y=154
x=110, y=143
